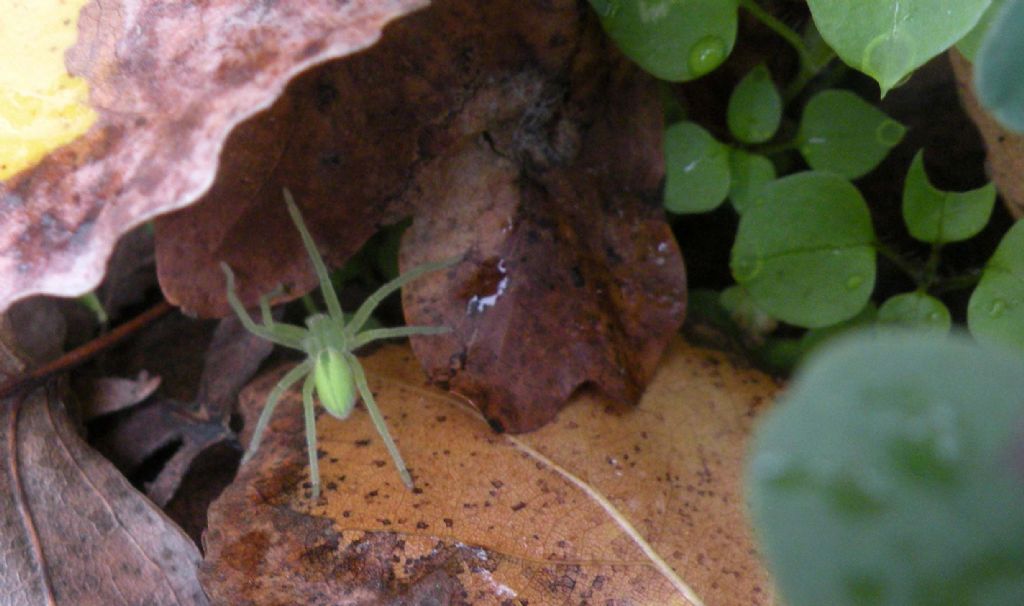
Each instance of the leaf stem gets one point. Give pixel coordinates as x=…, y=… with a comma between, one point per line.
x=958, y=282
x=931, y=267
x=784, y=31
x=83, y=353
x=901, y=262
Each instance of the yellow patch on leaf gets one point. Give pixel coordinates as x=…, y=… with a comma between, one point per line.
x=42, y=107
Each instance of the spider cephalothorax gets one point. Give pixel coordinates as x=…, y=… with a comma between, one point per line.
x=331, y=369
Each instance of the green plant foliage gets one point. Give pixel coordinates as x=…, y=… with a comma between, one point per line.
x=888, y=39
x=745, y=313
x=969, y=44
x=889, y=475
x=996, y=309
x=937, y=216
x=696, y=167
x=1000, y=65
x=806, y=254
x=842, y=133
x=817, y=337
x=916, y=309
x=748, y=172
x=755, y=107
x=676, y=40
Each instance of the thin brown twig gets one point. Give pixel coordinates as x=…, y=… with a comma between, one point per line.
x=83, y=353
x=22, y=502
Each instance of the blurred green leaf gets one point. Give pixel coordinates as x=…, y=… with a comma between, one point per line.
x=891, y=474
x=888, y=39
x=675, y=40
x=996, y=309
x=745, y=313
x=755, y=107
x=999, y=67
x=937, y=216
x=842, y=133
x=916, y=310
x=696, y=169
x=969, y=44
x=748, y=173
x=806, y=254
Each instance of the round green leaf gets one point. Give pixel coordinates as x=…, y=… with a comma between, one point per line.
x=755, y=107
x=996, y=309
x=675, y=40
x=969, y=44
x=696, y=169
x=748, y=174
x=1000, y=64
x=937, y=216
x=842, y=133
x=888, y=39
x=916, y=309
x=806, y=254
x=890, y=474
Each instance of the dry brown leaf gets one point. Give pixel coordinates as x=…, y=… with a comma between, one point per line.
x=169, y=80
x=520, y=143
x=1005, y=149
x=498, y=519
x=74, y=530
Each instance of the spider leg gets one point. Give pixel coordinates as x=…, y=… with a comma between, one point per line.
x=394, y=333
x=378, y=419
x=307, y=406
x=371, y=302
x=264, y=332
x=282, y=386
x=330, y=297
x=266, y=315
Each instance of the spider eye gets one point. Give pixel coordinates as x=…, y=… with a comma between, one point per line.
x=334, y=383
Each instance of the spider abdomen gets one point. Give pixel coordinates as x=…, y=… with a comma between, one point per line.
x=334, y=382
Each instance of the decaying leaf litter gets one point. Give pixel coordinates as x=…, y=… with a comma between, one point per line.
x=514, y=135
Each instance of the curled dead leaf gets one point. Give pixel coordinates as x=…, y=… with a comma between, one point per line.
x=75, y=531
x=169, y=82
x=520, y=142
x=1005, y=149
x=581, y=510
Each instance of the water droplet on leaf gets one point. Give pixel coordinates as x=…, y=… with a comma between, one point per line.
x=706, y=54
x=747, y=268
x=890, y=132
x=996, y=308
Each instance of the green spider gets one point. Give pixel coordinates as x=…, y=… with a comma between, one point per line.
x=331, y=368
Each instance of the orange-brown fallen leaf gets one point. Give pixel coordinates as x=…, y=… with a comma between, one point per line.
x=631, y=505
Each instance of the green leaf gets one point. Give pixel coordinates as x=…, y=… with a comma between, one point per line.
x=999, y=67
x=888, y=39
x=755, y=107
x=696, y=169
x=917, y=310
x=890, y=474
x=745, y=313
x=937, y=216
x=675, y=40
x=842, y=133
x=996, y=309
x=818, y=337
x=806, y=254
x=748, y=174
x=969, y=44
